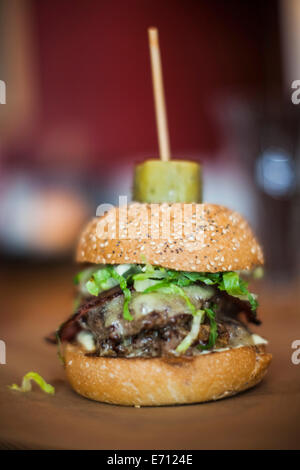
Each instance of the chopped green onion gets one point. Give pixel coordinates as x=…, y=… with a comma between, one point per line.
x=142, y=285
x=170, y=288
x=150, y=272
x=193, y=334
x=127, y=293
x=27, y=386
x=213, y=333
x=148, y=278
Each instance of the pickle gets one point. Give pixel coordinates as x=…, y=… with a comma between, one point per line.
x=156, y=181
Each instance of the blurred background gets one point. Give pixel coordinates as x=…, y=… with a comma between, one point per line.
x=79, y=114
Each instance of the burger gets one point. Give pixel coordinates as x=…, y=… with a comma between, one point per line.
x=162, y=315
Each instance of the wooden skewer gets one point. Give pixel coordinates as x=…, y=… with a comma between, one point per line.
x=159, y=96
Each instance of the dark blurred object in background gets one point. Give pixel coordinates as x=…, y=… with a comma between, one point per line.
x=80, y=112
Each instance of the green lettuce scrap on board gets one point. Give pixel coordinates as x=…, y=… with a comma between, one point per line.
x=26, y=385
x=147, y=278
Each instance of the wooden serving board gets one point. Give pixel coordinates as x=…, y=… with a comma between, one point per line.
x=267, y=416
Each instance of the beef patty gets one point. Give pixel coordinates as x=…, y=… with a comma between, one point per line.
x=160, y=322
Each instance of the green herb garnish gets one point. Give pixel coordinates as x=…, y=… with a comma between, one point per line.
x=213, y=332
x=27, y=386
x=167, y=281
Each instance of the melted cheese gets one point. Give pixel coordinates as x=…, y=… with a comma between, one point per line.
x=86, y=340
x=258, y=339
x=143, y=304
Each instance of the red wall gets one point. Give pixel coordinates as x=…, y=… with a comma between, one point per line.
x=95, y=70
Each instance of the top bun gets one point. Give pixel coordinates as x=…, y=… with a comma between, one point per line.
x=184, y=237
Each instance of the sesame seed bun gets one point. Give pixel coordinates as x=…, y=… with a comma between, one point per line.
x=198, y=237
x=162, y=381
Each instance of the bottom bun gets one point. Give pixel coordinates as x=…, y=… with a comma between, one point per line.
x=162, y=381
